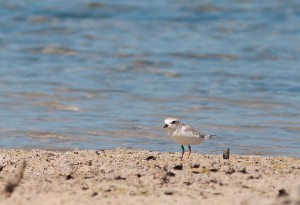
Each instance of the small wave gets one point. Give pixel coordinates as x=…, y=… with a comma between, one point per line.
x=71, y=90
x=96, y=5
x=38, y=19
x=28, y=95
x=44, y=134
x=133, y=132
x=217, y=56
x=55, y=50
x=208, y=8
x=249, y=103
x=238, y=127
x=58, y=106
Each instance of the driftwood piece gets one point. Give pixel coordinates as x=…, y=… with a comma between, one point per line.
x=226, y=154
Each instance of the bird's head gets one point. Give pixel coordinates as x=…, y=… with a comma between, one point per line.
x=171, y=123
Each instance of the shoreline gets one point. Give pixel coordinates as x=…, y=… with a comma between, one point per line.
x=135, y=176
x=217, y=153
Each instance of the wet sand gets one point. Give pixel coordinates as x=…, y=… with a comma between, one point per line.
x=125, y=176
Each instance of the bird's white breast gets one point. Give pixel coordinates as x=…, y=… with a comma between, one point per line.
x=186, y=136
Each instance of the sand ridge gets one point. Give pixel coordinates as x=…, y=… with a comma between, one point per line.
x=129, y=176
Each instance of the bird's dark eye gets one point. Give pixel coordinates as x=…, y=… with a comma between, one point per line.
x=173, y=122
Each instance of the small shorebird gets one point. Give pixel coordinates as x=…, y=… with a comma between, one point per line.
x=184, y=134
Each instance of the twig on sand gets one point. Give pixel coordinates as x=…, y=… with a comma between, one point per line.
x=14, y=180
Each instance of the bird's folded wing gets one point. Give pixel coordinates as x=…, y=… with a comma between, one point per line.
x=187, y=131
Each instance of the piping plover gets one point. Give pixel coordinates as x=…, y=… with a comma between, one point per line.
x=184, y=134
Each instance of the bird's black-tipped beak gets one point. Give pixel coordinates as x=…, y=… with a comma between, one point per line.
x=166, y=126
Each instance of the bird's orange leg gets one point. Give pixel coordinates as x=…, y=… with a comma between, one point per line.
x=190, y=150
x=182, y=147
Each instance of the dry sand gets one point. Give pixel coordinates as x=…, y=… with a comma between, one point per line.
x=125, y=176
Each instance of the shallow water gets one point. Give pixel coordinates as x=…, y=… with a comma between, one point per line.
x=104, y=74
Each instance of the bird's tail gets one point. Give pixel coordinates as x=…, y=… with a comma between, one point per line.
x=208, y=137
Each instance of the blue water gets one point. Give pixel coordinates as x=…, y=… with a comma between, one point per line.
x=103, y=74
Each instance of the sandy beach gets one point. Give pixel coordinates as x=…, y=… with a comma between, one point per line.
x=126, y=176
